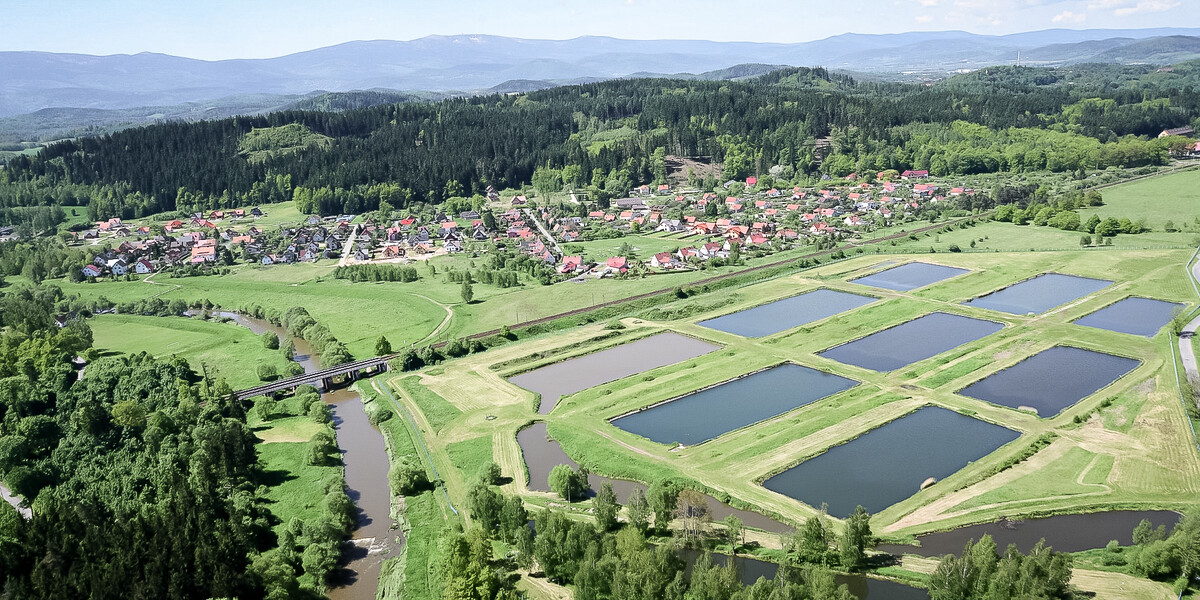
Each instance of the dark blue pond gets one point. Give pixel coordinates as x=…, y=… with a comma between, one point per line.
x=787, y=313
x=708, y=413
x=889, y=463
x=1138, y=316
x=590, y=370
x=1065, y=533
x=909, y=276
x=861, y=587
x=1051, y=380
x=1039, y=294
x=912, y=342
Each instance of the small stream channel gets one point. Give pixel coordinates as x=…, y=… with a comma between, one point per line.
x=364, y=454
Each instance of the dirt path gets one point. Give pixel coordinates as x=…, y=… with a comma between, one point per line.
x=173, y=286
x=445, y=322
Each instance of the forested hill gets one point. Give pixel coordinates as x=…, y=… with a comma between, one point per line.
x=609, y=136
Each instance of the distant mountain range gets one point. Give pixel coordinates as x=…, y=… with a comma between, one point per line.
x=467, y=64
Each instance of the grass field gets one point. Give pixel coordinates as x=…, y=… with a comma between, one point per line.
x=1158, y=200
x=231, y=351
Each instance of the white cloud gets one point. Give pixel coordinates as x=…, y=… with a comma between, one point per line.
x=923, y=18
x=1147, y=6
x=1067, y=16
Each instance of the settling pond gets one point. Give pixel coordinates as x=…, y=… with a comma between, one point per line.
x=1064, y=533
x=787, y=313
x=890, y=463
x=578, y=374
x=1051, y=380
x=1039, y=294
x=911, y=342
x=709, y=413
x=909, y=276
x=543, y=453
x=863, y=588
x=1137, y=316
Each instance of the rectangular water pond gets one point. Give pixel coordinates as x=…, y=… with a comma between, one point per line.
x=890, y=463
x=577, y=374
x=1051, y=380
x=911, y=342
x=1039, y=294
x=709, y=413
x=909, y=276
x=787, y=313
x=1138, y=316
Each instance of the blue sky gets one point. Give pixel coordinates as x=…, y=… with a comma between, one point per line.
x=218, y=29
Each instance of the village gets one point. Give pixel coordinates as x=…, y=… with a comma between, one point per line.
x=708, y=226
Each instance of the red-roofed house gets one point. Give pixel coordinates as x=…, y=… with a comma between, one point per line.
x=751, y=181
x=571, y=264
x=617, y=263
x=664, y=260
x=911, y=174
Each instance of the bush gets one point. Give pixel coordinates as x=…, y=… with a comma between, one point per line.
x=267, y=372
x=407, y=477
x=293, y=369
x=320, y=413
x=270, y=340
x=568, y=484
x=491, y=474
x=380, y=415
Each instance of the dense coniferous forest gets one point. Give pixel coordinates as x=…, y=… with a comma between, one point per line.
x=613, y=134
x=143, y=479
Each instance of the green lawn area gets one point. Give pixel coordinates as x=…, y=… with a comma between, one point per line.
x=296, y=488
x=470, y=456
x=1174, y=197
x=436, y=409
x=644, y=246
x=231, y=350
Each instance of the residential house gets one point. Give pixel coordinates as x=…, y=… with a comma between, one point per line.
x=664, y=260
x=1185, y=130
x=571, y=264
x=617, y=263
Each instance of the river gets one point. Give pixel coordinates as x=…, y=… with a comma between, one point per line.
x=364, y=454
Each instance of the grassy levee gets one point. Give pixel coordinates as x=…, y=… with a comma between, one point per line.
x=232, y=351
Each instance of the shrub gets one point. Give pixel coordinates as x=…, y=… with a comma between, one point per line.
x=266, y=372
x=320, y=413
x=407, y=477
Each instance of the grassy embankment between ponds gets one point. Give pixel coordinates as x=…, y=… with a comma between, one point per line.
x=735, y=462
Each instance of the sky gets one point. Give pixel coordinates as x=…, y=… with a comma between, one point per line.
x=222, y=29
